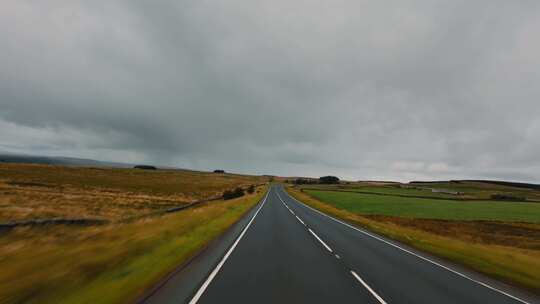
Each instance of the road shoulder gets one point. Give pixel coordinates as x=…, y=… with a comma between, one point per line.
x=182, y=283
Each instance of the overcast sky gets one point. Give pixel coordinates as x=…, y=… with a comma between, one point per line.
x=397, y=90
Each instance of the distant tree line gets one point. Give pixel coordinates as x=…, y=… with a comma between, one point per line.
x=508, y=197
x=329, y=179
x=304, y=181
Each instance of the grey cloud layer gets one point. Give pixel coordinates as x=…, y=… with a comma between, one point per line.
x=361, y=89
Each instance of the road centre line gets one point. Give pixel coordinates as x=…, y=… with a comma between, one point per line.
x=410, y=252
x=319, y=239
x=337, y=256
x=368, y=288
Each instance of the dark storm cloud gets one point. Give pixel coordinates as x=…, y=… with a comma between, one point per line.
x=360, y=89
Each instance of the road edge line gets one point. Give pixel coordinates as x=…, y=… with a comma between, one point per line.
x=214, y=272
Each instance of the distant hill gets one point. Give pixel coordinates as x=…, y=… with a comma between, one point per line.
x=57, y=160
x=510, y=184
x=494, y=182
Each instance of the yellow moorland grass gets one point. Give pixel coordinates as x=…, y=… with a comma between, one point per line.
x=112, y=263
x=30, y=191
x=514, y=265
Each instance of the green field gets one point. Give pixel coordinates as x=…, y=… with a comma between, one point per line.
x=430, y=208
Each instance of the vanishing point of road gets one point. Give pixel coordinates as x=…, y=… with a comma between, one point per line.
x=285, y=252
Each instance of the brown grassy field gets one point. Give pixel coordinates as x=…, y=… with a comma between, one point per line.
x=510, y=234
x=509, y=251
x=118, y=261
x=29, y=191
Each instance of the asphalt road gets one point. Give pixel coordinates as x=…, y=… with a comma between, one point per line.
x=285, y=252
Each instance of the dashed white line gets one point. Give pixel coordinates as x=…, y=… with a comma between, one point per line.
x=368, y=288
x=321, y=241
x=218, y=267
x=336, y=255
x=300, y=220
x=410, y=252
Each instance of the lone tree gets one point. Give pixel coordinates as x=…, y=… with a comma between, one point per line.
x=219, y=171
x=328, y=180
x=145, y=167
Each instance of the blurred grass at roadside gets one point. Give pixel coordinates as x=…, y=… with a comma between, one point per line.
x=112, y=263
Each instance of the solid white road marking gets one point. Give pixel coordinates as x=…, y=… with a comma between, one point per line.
x=300, y=220
x=286, y=206
x=279, y=196
x=319, y=239
x=412, y=253
x=337, y=256
x=218, y=267
x=368, y=288
x=292, y=212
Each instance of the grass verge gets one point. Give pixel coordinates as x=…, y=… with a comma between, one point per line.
x=108, y=264
x=513, y=265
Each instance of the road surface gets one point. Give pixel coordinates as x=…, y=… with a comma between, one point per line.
x=285, y=252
